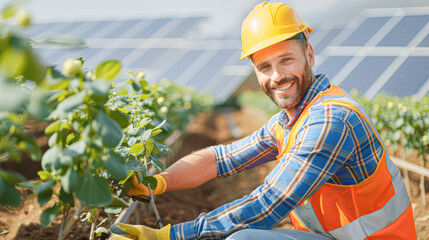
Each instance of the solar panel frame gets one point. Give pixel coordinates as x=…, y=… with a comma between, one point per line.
x=409, y=77
x=366, y=73
x=404, y=31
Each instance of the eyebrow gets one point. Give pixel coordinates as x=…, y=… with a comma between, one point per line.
x=281, y=56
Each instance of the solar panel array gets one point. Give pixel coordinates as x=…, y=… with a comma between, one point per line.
x=381, y=50
x=169, y=48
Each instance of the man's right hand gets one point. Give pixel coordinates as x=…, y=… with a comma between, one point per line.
x=139, y=189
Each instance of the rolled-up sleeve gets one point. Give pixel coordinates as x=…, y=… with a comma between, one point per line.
x=251, y=151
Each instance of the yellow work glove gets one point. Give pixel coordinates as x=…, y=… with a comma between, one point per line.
x=123, y=231
x=138, y=189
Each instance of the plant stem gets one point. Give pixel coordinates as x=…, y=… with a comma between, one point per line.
x=68, y=225
x=93, y=224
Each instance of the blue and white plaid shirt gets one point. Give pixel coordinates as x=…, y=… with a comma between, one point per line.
x=334, y=145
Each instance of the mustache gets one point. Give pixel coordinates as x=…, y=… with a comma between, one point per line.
x=283, y=81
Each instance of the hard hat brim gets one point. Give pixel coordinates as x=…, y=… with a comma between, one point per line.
x=268, y=42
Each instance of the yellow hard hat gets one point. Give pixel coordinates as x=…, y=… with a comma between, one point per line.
x=268, y=24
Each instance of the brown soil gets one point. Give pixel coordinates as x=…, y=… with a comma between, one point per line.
x=175, y=207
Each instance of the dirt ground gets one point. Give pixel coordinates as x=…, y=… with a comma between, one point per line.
x=175, y=207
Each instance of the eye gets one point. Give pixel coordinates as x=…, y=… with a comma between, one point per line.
x=264, y=67
x=286, y=59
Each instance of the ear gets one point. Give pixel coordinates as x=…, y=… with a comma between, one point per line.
x=309, y=53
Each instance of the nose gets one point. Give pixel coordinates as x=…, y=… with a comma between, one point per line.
x=277, y=75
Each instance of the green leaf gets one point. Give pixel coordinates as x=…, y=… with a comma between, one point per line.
x=135, y=165
x=29, y=185
x=132, y=141
x=118, y=202
x=44, y=191
x=123, y=151
x=12, y=177
x=68, y=105
x=98, y=89
x=150, y=180
x=38, y=107
x=66, y=197
x=125, y=186
x=161, y=147
x=157, y=164
x=133, y=131
x=399, y=122
x=44, y=175
x=9, y=196
x=108, y=70
x=145, y=136
x=50, y=160
x=70, y=181
x=11, y=96
x=44, y=197
x=108, y=129
x=148, y=146
x=100, y=231
x=113, y=210
x=122, y=119
x=160, y=125
x=9, y=11
x=94, y=190
x=71, y=138
x=137, y=148
x=155, y=132
x=49, y=215
x=115, y=165
x=144, y=122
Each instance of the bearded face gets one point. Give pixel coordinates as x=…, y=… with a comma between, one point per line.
x=286, y=101
x=284, y=72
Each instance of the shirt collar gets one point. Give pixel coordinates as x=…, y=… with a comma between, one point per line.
x=321, y=84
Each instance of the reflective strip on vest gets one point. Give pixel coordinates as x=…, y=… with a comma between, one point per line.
x=364, y=225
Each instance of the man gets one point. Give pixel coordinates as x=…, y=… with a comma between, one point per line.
x=333, y=177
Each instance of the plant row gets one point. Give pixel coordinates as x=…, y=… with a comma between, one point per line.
x=104, y=127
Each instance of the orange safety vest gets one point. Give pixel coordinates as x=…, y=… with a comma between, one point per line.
x=377, y=208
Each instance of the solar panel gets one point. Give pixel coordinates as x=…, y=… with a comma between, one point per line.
x=183, y=27
x=37, y=29
x=404, y=31
x=148, y=58
x=332, y=65
x=365, y=31
x=224, y=88
x=321, y=45
x=151, y=28
x=409, y=77
x=121, y=53
x=90, y=29
x=211, y=68
x=183, y=63
x=104, y=28
x=165, y=59
x=425, y=42
x=366, y=73
x=121, y=28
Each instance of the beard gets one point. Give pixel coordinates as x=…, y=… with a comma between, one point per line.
x=290, y=101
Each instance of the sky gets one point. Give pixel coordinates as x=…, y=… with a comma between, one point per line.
x=223, y=15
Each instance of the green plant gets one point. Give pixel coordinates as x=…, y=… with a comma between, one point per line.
x=101, y=133
x=403, y=123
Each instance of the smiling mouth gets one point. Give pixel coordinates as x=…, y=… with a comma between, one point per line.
x=284, y=87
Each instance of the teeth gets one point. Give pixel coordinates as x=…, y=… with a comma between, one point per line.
x=285, y=87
